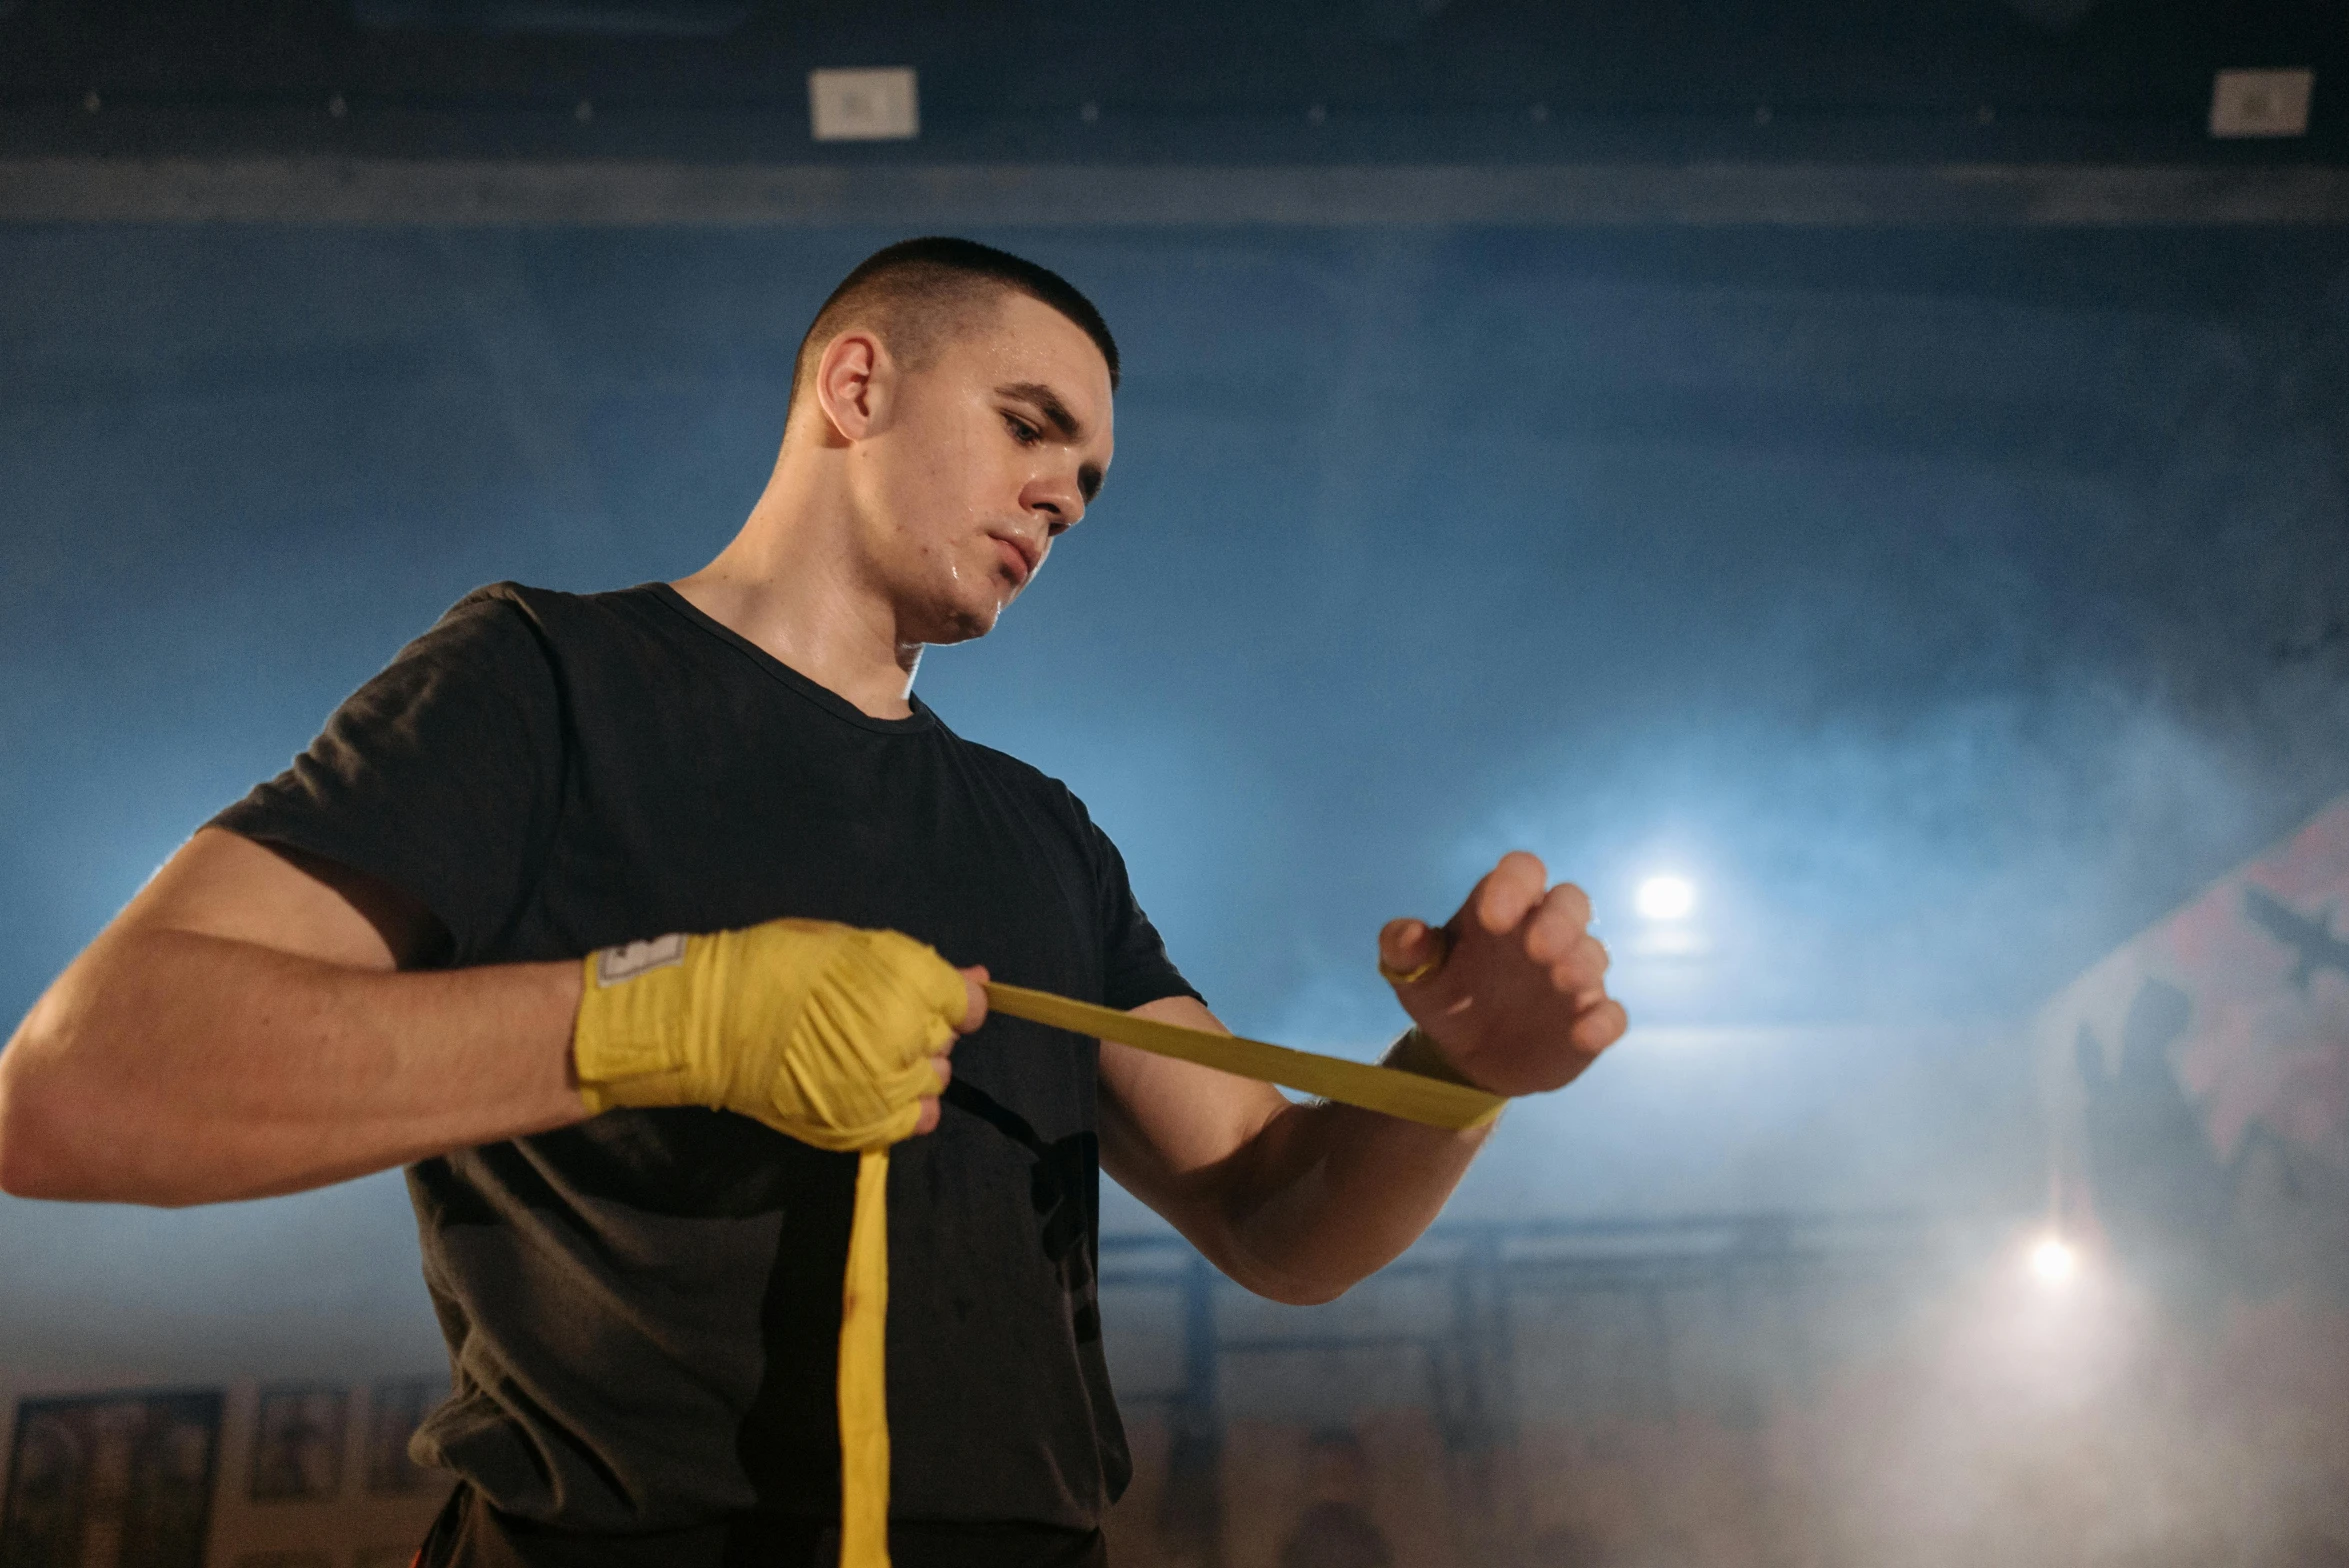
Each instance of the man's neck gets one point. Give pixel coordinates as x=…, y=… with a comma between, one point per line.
x=789, y=583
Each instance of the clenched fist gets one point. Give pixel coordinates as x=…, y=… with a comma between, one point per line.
x=1519, y=1002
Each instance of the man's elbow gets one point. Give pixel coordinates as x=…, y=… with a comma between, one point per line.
x=1298, y=1293
x=1263, y=1265
x=47, y=1136
x=32, y=1159
x=1287, y=1287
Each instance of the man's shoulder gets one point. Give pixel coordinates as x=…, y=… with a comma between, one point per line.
x=1022, y=778
x=548, y=608
x=512, y=619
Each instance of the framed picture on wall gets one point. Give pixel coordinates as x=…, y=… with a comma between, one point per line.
x=395, y=1409
x=111, y=1478
x=298, y=1443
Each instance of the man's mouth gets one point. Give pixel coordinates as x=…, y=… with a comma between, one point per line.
x=1019, y=557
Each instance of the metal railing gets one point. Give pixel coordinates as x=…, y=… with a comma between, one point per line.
x=1482, y=1322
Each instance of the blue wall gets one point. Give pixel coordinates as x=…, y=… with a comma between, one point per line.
x=1946, y=605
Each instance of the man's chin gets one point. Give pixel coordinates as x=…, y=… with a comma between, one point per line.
x=964, y=623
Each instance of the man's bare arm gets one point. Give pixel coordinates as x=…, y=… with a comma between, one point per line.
x=1298, y=1202
x=243, y=1029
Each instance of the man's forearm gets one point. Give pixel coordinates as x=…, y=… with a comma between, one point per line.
x=1327, y=1195
x=171, y=1067
x=1296, y=1202
x=1508, y=995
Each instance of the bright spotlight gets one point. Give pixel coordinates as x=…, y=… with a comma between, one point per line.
x=1666, y=898
x=2054, y=1261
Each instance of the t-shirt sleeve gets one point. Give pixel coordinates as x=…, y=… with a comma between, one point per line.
x=441, y=776
x=1134, y=962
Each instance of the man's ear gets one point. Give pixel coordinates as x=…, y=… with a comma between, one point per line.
x=853, y=380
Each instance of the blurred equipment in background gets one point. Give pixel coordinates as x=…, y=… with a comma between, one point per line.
x=2201, y=1087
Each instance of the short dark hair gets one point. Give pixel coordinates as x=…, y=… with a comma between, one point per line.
x=917, y=293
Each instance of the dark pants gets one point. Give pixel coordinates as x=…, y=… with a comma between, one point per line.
x=471, y=1534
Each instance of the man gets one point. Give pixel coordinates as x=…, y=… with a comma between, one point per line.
x=376, y=960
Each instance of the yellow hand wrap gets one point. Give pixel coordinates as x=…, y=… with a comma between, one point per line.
x=825, y=1033
x=821, y=1031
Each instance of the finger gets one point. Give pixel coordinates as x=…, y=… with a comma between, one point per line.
x=1587, y=997
x=1508, y=892
x=926, y=1113
x=1555, y=931
x=1599, y=1027
x=974, y=1010
x=1568, y=903
x=1406, y=944
x=1582, y=968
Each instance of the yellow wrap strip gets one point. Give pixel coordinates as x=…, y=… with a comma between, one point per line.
x=863, y=1375
x=825, y=1033
x=1412, y=1096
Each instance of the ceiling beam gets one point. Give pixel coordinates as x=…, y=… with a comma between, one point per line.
x=617, y=193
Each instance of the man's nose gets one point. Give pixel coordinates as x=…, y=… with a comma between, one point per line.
x=1058, y=502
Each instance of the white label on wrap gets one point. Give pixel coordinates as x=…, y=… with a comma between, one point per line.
x=615, y=964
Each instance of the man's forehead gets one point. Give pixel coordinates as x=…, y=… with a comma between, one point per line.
x=1031, y=344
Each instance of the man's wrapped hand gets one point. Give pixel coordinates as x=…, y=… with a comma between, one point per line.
x=824, y=1032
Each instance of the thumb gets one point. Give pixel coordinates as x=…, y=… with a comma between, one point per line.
x=1404, y=945
x=974, y=1013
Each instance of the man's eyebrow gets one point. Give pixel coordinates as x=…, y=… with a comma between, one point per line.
x=1047, y=403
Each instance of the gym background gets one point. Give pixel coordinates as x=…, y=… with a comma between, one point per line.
x=1863, y=488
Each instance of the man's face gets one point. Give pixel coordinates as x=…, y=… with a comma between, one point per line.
x=977, y=463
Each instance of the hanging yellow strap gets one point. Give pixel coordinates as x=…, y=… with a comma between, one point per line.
x=823, y=1032
x=864, y=1301
x=863, y=1381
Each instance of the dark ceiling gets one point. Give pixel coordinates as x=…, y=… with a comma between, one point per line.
x=1219, y=81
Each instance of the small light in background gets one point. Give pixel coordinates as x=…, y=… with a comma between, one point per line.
x=1665, y=898
x=2054, y=1261
x=864, y=106
x=2261, y=103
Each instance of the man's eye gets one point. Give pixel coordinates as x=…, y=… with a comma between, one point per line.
x=1021, y=431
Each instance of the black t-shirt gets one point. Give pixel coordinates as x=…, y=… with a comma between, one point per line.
x=642, y=1310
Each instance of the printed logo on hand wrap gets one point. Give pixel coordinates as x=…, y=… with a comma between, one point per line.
x=615, y=964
